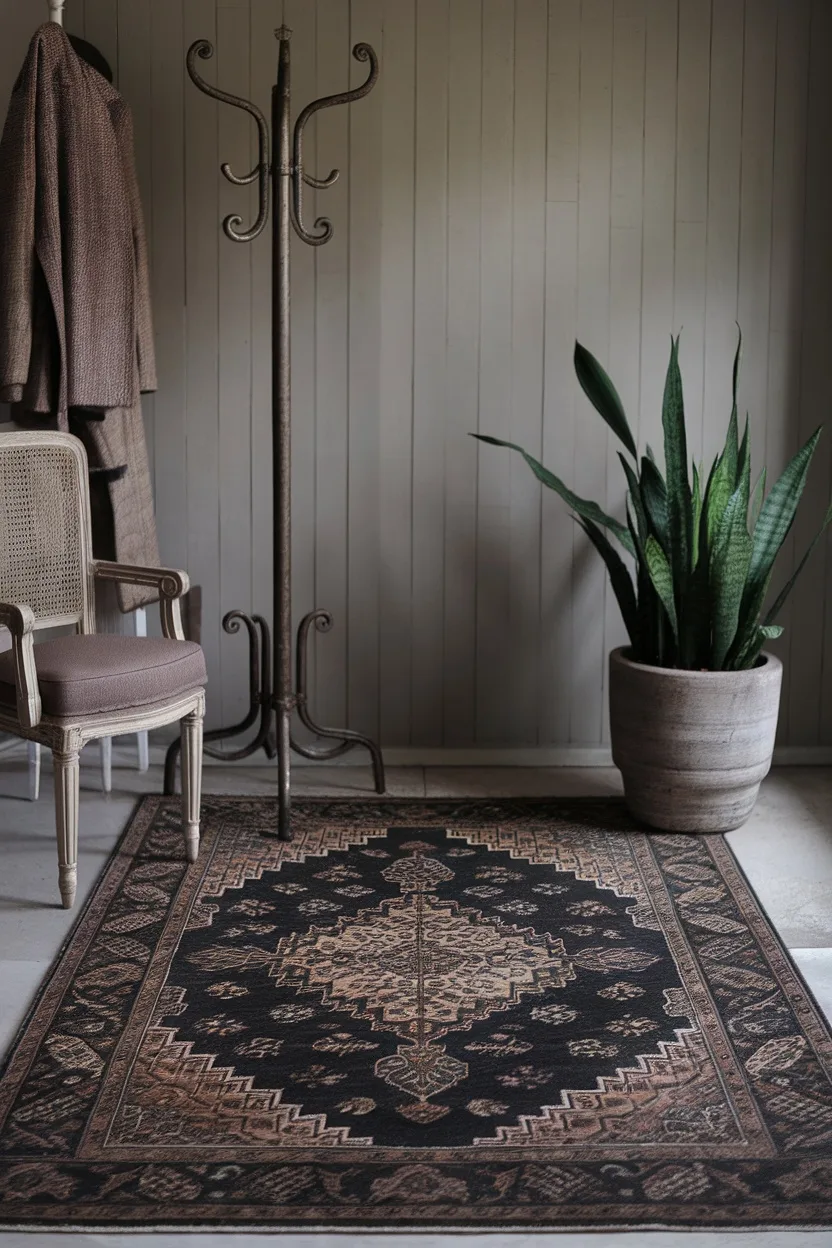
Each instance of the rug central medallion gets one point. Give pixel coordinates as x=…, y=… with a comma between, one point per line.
x=419, y=966
x=417, y=986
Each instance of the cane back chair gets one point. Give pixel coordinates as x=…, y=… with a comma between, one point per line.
x=82, y=686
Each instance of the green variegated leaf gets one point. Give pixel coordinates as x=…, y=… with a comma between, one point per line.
x=736, y=372
x=696, y=505
x=696, y=647
x=775, y=520
x=723, y=481
x=619, y=577
x=704, y=548
x=632, y=526
x=730, y=559
x=585, y=509
x=654, y=497
x=635, y=497
x=676, y=470
x=722, y=487
x=645, y=647
x=744, y=465
x=778, y=511
x=751, y=652
x=757, y=500
x=709, y=483
x=603, y=396
x=695, y=627
x=661, y=577
x=777, y=605
x=730, y=452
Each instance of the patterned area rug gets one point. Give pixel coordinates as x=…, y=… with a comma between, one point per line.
x=419, y=1014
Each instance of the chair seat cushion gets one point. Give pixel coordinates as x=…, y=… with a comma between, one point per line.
x=95, y=674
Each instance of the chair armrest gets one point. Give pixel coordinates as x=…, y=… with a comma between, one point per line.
x=170, y=582
x=20, y=621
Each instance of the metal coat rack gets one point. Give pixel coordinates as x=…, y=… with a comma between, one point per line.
x=274, y=701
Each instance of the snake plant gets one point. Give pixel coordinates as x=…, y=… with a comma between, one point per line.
x=703, y=548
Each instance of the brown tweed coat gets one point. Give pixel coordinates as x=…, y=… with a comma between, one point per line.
x=75, y=327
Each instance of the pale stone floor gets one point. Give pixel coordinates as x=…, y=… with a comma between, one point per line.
x=785, y=850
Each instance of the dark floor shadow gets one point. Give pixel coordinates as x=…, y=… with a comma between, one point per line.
x=27, y=903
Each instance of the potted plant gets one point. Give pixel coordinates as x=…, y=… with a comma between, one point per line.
x=694, y=698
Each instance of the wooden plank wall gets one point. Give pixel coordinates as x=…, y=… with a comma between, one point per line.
x=526, y=170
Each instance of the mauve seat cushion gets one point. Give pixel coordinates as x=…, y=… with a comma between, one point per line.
x=86, y=675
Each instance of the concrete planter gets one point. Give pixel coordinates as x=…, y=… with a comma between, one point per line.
x=693, y=747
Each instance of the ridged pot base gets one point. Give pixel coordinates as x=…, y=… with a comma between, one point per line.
x=692, y=747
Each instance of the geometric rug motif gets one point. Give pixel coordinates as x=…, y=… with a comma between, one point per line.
x=418, y=1013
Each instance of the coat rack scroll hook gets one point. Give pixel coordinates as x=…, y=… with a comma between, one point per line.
x=361, y=52
x=204, y=49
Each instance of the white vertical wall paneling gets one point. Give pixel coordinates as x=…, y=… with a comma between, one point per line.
x=692, y=120
x=332, y=368
x=429, y=341
x=756, y=206
x=560, y=388
x=787, y=262
x=464, y=173
x=397, y=87
x=300, y=17
x=202, y=243
x=494, y=467
x=562, y=100
x=589, y=472
x=659, y=220
x=626, y=212
x=627, y=185
x=266, y=15
x=755, y=214
x=810, y=719
x=722, y=263
x=233, y=52
x=663, y=183
x=166, y=242
x=526, y=416
x=134, y=80
x=364, y=345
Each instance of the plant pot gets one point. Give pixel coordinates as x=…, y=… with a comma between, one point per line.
x=693, y=747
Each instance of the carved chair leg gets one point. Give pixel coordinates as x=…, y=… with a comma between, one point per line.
x=67, y=781
x=191, y=728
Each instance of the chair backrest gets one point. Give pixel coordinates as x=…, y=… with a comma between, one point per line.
x=45, y=534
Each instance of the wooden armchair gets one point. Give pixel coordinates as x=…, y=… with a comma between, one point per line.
x=83, y=686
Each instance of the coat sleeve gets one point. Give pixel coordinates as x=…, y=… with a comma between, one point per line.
x=17, y=232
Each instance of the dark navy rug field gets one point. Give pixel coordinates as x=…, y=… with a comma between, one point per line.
x=452, y=1014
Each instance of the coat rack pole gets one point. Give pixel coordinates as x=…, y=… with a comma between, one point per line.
x=282, y=425
x=280, y=164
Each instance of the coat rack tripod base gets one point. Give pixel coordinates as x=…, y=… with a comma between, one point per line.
x=273, y=700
